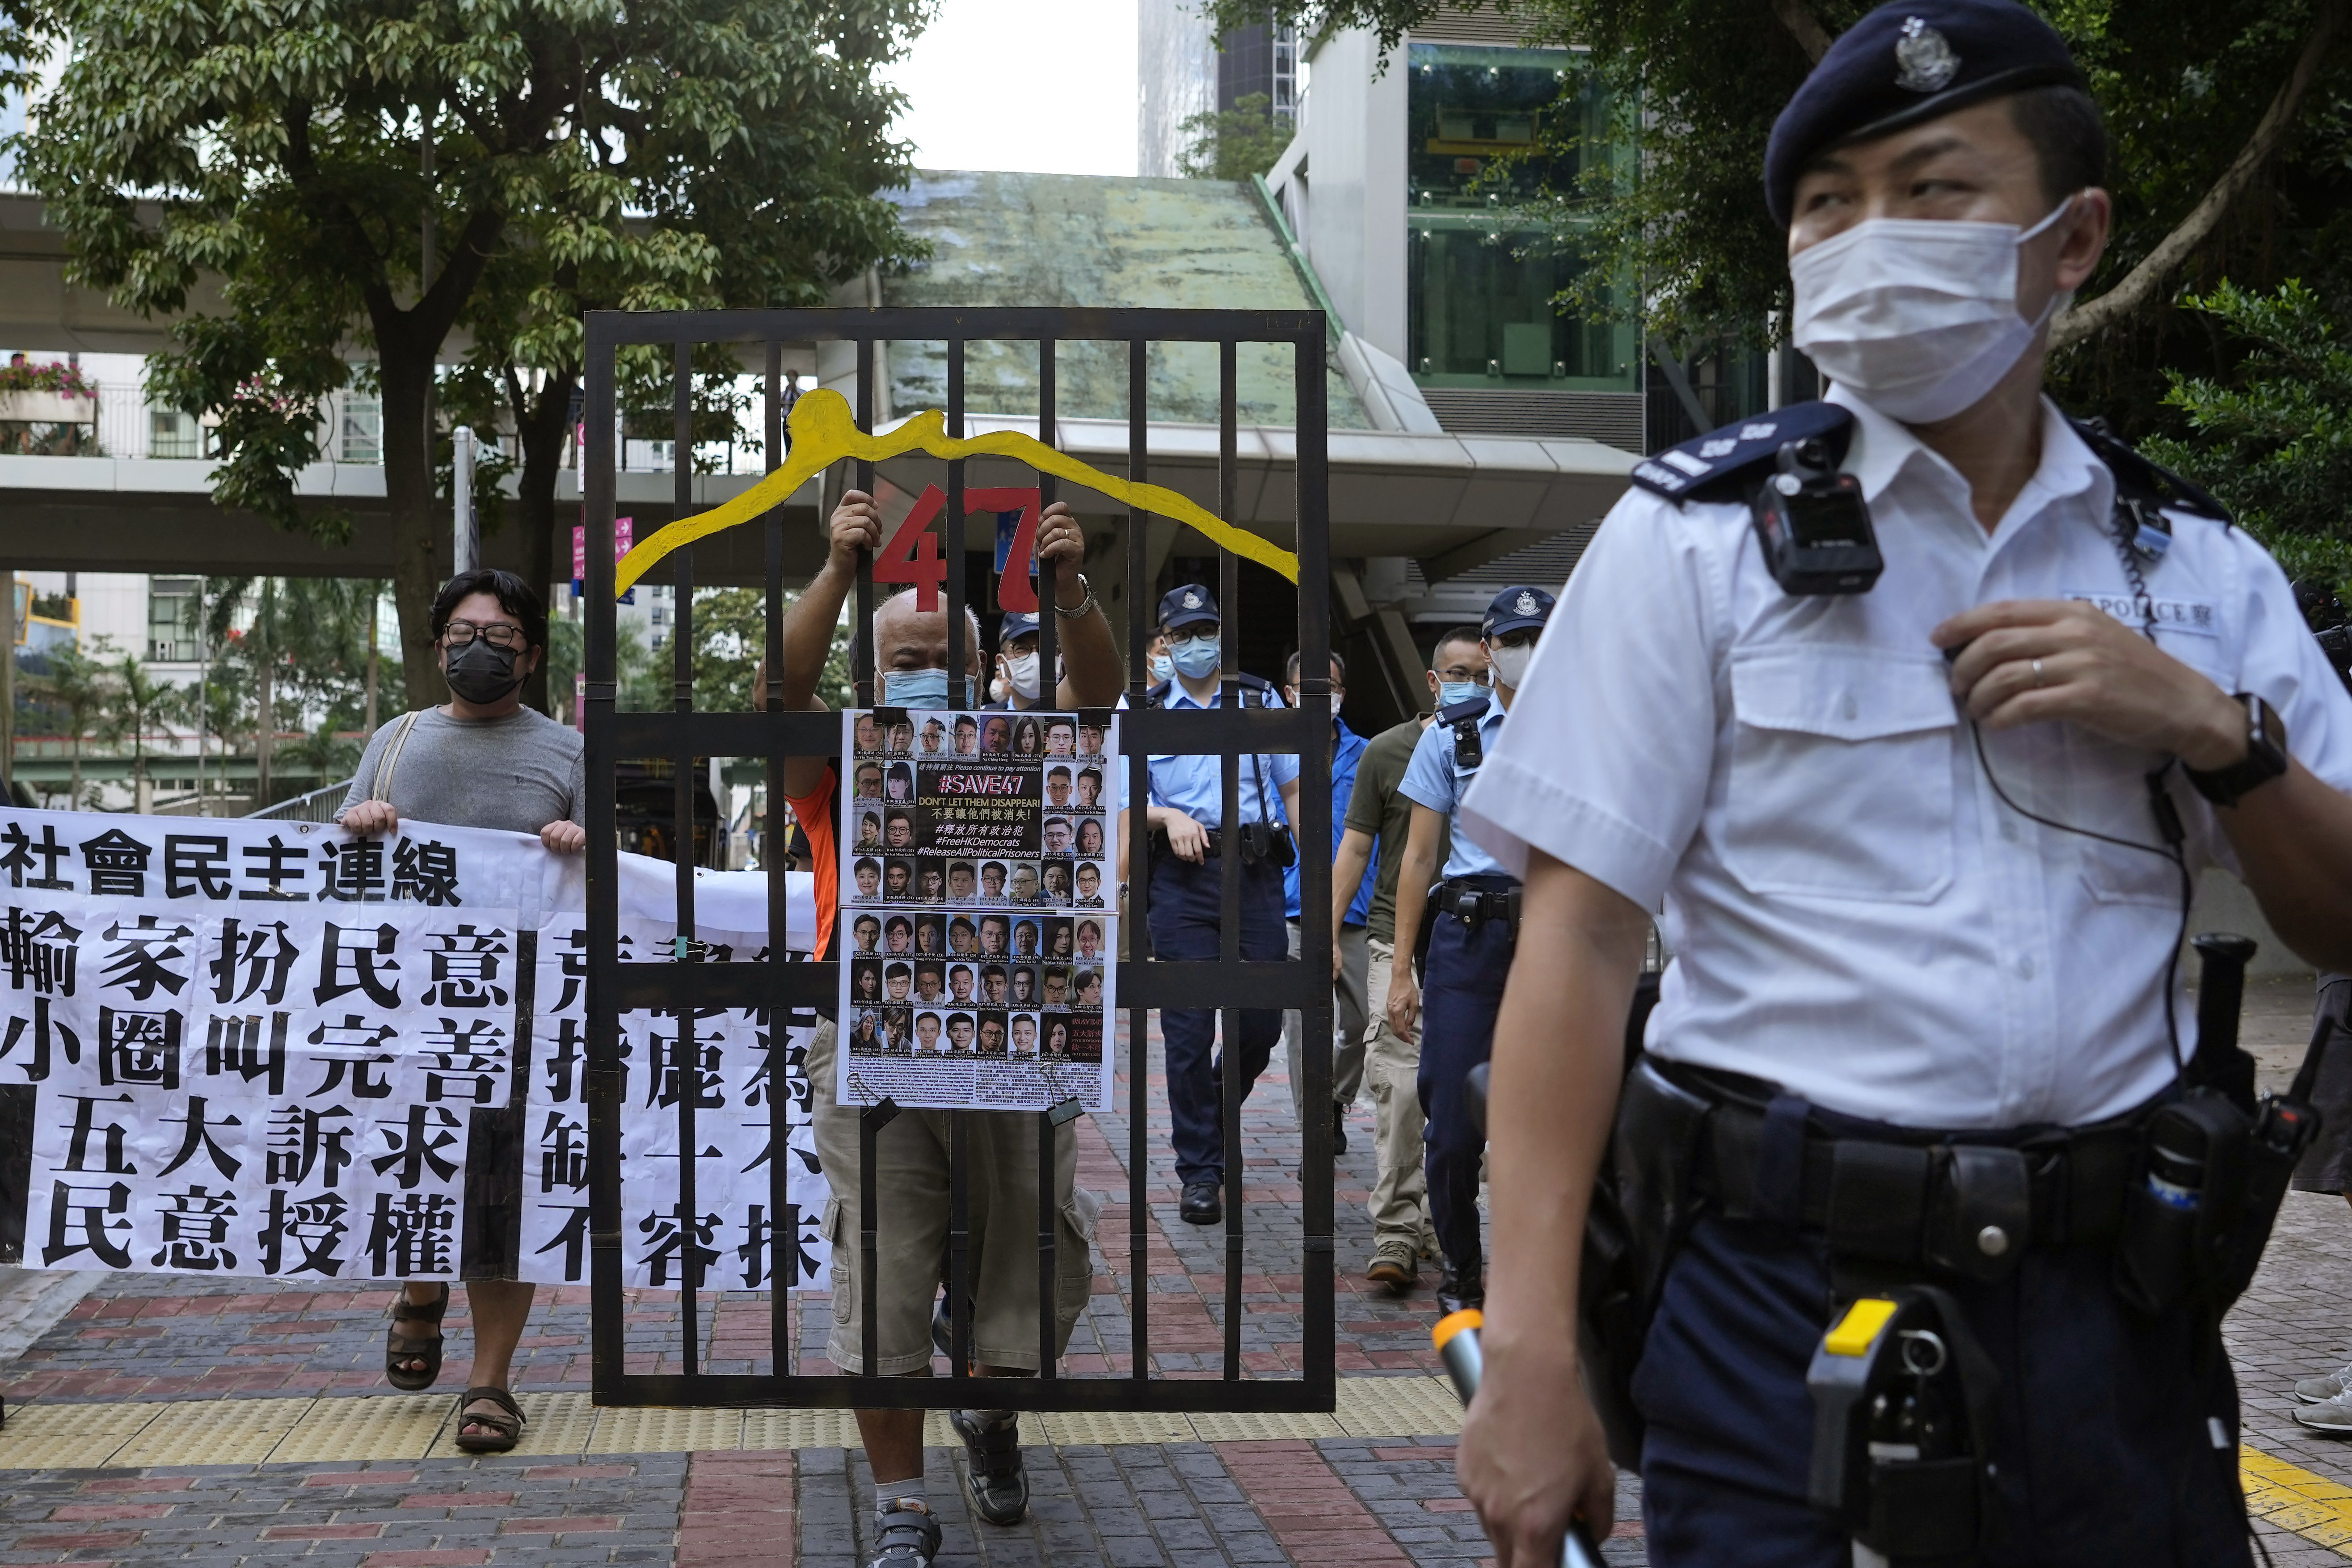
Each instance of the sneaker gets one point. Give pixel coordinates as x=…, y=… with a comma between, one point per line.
x=1395, y=1266
x=2331, y=1416
x=905, y=1535
x=992, y=1474
x=2319, y=1390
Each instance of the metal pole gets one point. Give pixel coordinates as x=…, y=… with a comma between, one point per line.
x=466, y=554
x=8, y=691
x=204, y=694
x=375, y=607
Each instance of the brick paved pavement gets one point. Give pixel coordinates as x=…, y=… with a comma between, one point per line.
x=1380, y=1500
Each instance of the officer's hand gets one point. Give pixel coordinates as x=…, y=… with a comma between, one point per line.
x=564, y=836
x=1404, y=1002
x=1532, y=1454
x=1187, y=838
x=1336, y=959
x=371, y=817
x=856, y=525
x=2096, y=671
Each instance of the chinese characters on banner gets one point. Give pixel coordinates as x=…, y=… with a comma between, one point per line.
x=270, y=1048
x=978, y=908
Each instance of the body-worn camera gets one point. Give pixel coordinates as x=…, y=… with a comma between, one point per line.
x=1469, y=748
x=1813, y=525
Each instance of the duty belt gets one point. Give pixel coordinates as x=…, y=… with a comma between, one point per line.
x=1969, y=1206
x=1473, y=904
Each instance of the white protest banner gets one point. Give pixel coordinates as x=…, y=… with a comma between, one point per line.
x=978, y=909
x=272, y=1049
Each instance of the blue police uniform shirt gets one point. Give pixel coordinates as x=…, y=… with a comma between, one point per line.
x=1432, y=780
x=1195, y=784
x=1346, y=751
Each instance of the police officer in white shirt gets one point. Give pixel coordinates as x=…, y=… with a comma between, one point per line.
x=1924, y=1005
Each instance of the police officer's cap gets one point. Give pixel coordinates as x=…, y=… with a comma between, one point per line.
x=1904, y=63
x=1188, y=605
x=1014, y=626
x=1515, y=609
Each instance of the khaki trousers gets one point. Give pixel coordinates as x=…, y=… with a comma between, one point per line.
x=1400, y=1201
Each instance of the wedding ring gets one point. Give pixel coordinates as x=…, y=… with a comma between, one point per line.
x=2037, y=675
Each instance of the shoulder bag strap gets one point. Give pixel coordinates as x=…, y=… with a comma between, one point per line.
x=389, y=764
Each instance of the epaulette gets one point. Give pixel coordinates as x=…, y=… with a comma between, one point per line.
x=2143, y=479
x=1469, y=708
x=1720, y=465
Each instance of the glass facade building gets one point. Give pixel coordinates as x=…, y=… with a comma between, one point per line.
x=1479, y=293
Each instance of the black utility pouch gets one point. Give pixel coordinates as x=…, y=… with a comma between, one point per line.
x=2184, y=1205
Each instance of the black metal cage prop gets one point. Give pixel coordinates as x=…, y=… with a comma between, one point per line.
x=1230, y=731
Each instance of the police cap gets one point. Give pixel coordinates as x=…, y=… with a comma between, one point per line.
x=1019, y=623
x=1515, y=609
x=1188, y=605
x=1904, y=63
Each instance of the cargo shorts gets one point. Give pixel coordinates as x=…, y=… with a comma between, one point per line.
x=910, y=1192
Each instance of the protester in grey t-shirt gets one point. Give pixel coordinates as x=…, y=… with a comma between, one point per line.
x=480, y=759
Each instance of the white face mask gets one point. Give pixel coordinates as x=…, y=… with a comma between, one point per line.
x=1917, y=316
x=1510, y=663
x=1021, y=669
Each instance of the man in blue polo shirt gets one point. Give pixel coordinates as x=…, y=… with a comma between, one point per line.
x=1351, y=936
x=1475, y=929
x=1188, y=809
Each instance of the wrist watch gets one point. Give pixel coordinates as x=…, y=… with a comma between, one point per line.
x=2265, y=757
x=1084, y=606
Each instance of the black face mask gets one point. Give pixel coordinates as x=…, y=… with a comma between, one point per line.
x=480, y=673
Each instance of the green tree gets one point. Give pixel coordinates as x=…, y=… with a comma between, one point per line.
x=139, y=701
x=2232, y=129
x=1236, y=142
x=77, y=688
x=2273, y=441
x=375, y=174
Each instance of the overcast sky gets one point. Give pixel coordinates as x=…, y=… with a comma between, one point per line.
x=1039, y=86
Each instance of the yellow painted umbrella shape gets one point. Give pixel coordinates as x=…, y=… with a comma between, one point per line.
x=824, y=432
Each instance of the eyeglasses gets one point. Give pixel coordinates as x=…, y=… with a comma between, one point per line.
x=1181, y=636
x=1462, y=672
x=499, y=634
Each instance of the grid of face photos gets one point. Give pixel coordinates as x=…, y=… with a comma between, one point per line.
x=979, y=893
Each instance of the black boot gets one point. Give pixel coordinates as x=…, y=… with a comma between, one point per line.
x=1463, y=1287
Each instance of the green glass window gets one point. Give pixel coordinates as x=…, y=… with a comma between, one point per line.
x=1478, y=296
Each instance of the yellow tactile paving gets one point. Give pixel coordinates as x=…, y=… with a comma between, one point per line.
x=1399, y=1407
x=69, y=1437
x=383, y=1426
x=1082, y=1427
x=662, y=1431
x=2294, y=1498
x=799, y=1429
x=420, y=1425
x=213, y=1432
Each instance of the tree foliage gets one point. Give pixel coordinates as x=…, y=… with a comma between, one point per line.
x=656, y=153
x=2273, y=440
x=1236, y=142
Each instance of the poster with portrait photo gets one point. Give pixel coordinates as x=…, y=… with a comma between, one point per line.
x=977, y=907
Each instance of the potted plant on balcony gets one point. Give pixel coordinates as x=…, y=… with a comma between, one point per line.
x=48, y=410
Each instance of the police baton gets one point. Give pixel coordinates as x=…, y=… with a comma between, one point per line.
x=1457, y=1336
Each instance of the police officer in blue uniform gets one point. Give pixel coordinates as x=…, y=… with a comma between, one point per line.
x=1916, y=712
x=1472, y=920
x=1187, y=810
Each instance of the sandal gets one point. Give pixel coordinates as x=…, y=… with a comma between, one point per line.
x=505, y=1430
x=399, y=1347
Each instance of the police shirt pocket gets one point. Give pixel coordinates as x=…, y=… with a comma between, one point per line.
x=1841, y=776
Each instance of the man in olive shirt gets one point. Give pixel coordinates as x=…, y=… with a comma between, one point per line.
x=1378, y=814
